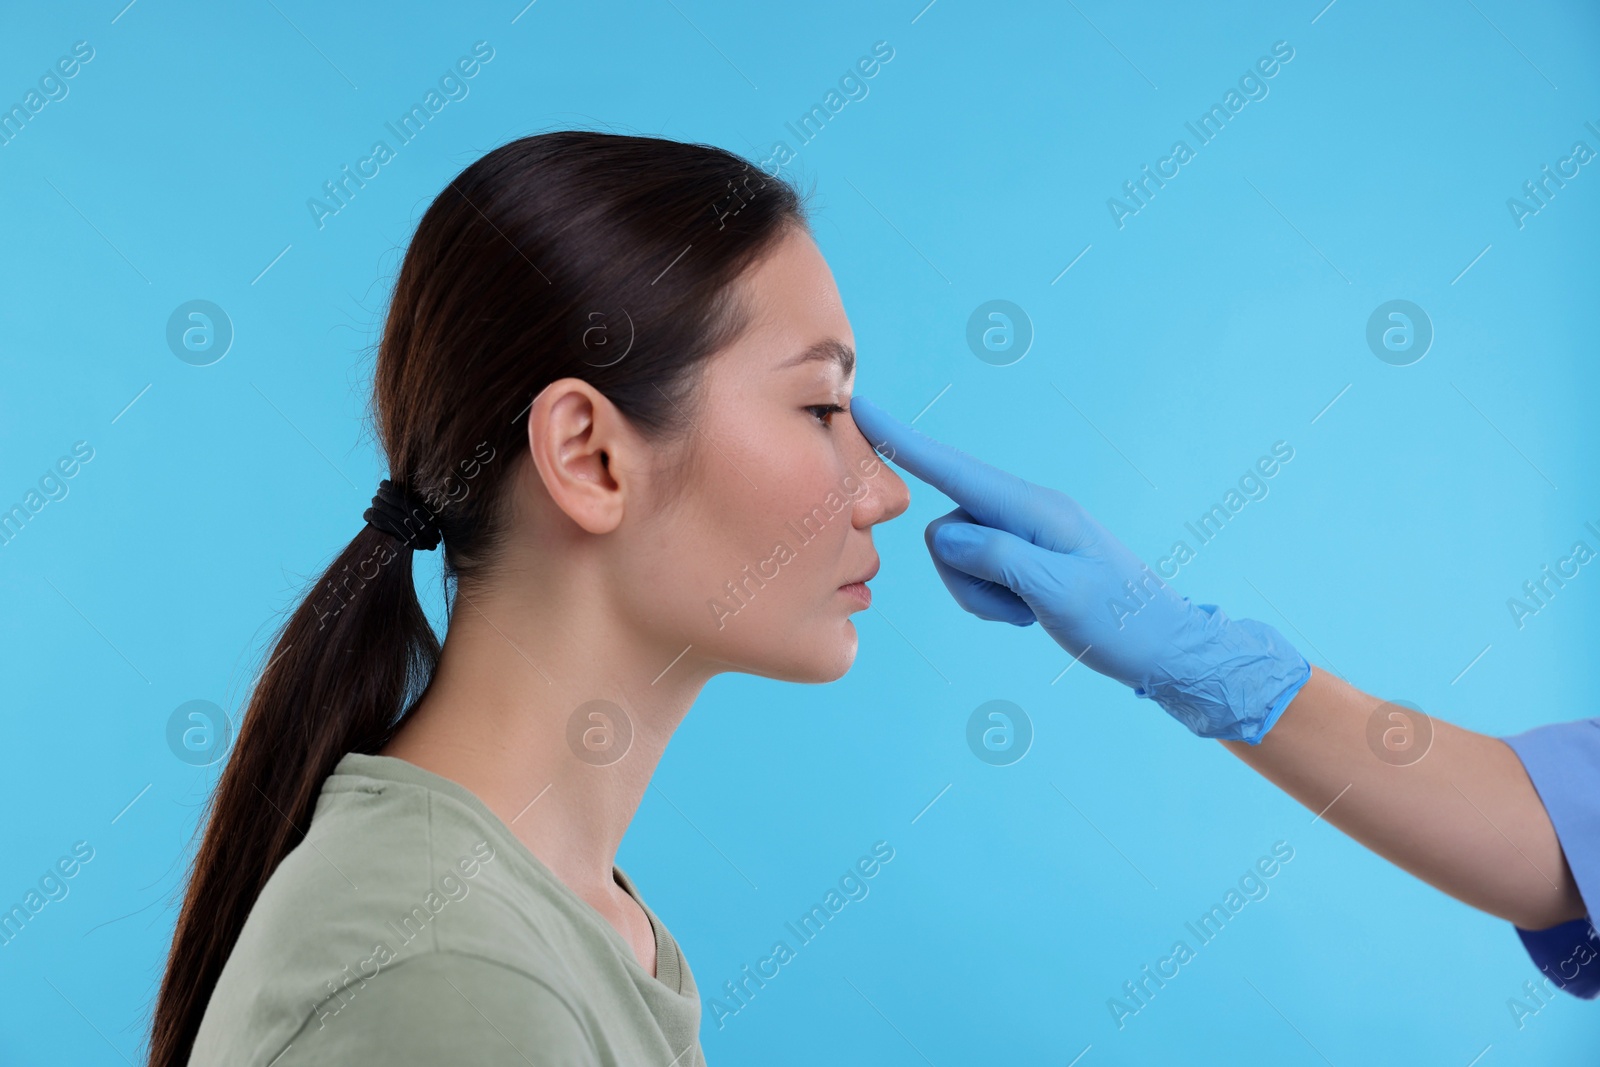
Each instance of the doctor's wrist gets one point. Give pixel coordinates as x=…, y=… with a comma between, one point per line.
x=1234, y=683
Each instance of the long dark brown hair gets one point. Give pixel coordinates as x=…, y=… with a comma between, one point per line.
x=599, y=256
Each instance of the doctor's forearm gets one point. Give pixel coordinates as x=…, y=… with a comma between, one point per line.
x=1464, y=817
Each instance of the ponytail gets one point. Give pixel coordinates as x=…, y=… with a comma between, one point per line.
x=356, y=650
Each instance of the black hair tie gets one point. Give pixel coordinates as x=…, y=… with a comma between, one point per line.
x=403, y=517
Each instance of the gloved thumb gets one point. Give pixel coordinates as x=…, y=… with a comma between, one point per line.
x=992, y=555
x=984, y=599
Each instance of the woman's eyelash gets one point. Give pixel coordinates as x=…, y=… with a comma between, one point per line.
x=825, y=410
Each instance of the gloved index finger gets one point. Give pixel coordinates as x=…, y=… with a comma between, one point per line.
x=994, y=497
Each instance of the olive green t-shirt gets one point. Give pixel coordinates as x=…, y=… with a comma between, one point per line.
x=412, y=927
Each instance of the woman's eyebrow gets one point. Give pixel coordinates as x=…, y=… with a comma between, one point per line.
x=830, y=348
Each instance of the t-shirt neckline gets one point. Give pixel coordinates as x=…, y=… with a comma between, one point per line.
x=391, y=768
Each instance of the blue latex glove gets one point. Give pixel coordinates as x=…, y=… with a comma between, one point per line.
x=1016, y=552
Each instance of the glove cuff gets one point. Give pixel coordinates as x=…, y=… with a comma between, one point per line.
x=1235, y=684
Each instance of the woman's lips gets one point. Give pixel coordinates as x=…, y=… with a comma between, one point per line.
x=859, y=591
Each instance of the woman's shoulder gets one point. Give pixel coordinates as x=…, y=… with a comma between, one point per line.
x=393, y=869
x=428, y=1008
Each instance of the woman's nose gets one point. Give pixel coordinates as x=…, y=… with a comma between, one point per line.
x=887, y=495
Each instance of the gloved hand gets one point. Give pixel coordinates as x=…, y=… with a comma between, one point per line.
x=1017, y=552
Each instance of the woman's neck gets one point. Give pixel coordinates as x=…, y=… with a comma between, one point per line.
x=555, y=720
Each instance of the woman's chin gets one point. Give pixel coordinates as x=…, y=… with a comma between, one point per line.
x=842, y=656
x=818, y=664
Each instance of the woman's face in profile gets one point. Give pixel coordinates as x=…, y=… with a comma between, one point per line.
x=778, y=514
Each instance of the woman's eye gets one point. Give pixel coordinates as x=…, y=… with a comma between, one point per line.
x=824, y=411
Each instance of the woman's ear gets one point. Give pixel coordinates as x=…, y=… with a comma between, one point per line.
x=581, y=444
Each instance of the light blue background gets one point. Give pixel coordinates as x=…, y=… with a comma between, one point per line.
x=1220, y=319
